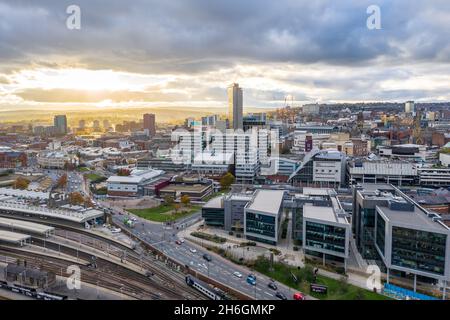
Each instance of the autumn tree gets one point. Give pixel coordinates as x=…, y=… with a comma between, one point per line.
x=62, y=181
x=185, y=200
x=227, y=180
x=21, y=183
x=76, y=198
x=176, y=207
x=123, y=172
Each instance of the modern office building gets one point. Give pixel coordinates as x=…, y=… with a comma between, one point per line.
x=227, y=211
x=213, y=212
x=326, y=231
x=60, y=123
x=210, y=120
x=149, y=124
x=235, y=106
x=412, y=240
x=397, y=172
x=365, y=199
x=262, y=216
x=132, y=185
x=321, y=168
x=410, y=107
x=296, y=202
x=252, y=120
x=208, y=163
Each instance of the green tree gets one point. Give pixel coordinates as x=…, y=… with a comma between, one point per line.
x=227, y=180
x=168, y=199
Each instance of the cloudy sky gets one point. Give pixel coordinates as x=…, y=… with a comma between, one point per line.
x=186, y=52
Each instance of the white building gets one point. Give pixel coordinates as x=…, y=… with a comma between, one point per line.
x=262, y=216
x=382, y=171
x=54, y=159
x=444, y=158
x=132, y=185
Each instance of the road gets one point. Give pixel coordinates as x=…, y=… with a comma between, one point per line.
x=219, y=269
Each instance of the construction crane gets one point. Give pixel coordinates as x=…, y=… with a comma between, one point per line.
x=417, y=131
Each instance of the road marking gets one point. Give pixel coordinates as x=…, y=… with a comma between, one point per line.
x=268, y=293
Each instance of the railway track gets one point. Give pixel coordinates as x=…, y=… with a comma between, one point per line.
x=127, y=283
x=171, y=278
x=167, y=283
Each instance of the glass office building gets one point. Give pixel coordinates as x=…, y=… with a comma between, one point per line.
x=419, y=250
x=260, y=224
x=323, y=236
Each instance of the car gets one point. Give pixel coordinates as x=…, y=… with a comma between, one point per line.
x=178, y=242
x=272, y=286
x=207, y=257
x=280, y=295
x=116, y=230
x=192, y=250
x=133, y=219
x=251, y=279
x=237, y=274
x=299, y=296
x=181, y=240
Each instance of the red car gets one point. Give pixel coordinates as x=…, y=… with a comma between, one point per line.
x=178, y=242
x=299, y=296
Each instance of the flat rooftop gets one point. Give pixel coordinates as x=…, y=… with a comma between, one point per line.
x=74, y=216
x=269, y=201
x=316, y=191
x=185, y=187
x=416, y=219
x=25, y=226
x=13, y=237
x=216, y=202
x=326, y=214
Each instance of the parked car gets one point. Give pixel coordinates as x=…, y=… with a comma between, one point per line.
x=193, y=250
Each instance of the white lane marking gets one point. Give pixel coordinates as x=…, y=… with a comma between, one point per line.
x=268, y=293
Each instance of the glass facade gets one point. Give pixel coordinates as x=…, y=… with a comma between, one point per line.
x=381, y=233
x=214, y=217
x=260, y=224
x=297, y=224
x=365, y=239
x=326, y=237
x=419, y=250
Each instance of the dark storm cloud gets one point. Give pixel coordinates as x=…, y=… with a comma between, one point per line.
x=197, y=35
x=199, y=39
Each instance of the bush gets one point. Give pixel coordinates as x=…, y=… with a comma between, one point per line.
x=231, y=233
x=238, y=235
x=213, y=238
